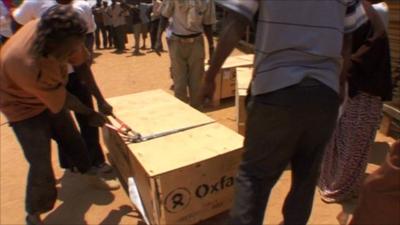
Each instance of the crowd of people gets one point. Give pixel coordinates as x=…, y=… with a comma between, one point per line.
x=321, y=74
x=116, y=20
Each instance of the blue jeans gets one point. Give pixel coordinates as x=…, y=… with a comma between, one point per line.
x=34, y=135
x=288, y=126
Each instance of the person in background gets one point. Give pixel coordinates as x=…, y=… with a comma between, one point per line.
x=380, y=194
x=137, y=28
x=295, y=91
x=5, y=23
x=154, y=23
x=81, y=82
x=187, y=44
x=145, y=11
x=108, y=25
x=370, y=83
x=118, y=14
x=33, y=97
x=98, y=12
x=30, y=10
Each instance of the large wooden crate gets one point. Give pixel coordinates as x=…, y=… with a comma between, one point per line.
x=243, y=79
x=226, y=77
x=182, y=178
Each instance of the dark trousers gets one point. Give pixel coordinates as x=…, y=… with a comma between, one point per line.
x=103, y=30
x=110, y=35
x=90, y=134
x=153, y=33
x=89, y=43
x=34, y=135
x=119, y=37
x=3, y=40
x=289, y=126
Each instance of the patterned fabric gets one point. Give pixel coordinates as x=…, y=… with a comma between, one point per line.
x=346, y=156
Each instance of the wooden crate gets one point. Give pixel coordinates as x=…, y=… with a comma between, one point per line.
x=391, y=113
x=182, y=178
x=226, y=77
x=243, y=79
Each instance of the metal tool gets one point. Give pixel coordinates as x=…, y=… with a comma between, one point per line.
x=127, y=133
x=131, y=136
x=174, y=131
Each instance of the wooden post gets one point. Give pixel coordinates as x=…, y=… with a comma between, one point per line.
x=385, y=124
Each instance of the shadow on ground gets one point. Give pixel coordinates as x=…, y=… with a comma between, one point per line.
x=225, y=103
x=77, y=198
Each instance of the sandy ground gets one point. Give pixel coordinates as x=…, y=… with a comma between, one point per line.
x=79, y=204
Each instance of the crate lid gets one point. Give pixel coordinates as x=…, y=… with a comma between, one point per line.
x=238, y=61
x=183, y=149
x=156, y=111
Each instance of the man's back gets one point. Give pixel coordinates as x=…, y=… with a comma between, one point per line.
x=297, y=39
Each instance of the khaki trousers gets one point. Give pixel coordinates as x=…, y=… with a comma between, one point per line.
x=187, y=56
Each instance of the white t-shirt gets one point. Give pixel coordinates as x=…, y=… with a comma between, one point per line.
x=5, y=21
x=33, y=9
x=383, y=11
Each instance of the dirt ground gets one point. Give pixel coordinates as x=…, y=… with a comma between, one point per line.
x=79, y=204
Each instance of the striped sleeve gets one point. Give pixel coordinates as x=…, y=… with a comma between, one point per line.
x=355, y=17
x=247, y=8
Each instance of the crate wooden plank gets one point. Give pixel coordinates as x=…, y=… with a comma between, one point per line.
x=228, y=82
x=243, y=79
x=200, y=160
x=242, y=128
x=385, y=125
x=226, y=78
x=392, y=110
x=210, y=197
x=238, y=61
x=171, y=152
x=156, y=111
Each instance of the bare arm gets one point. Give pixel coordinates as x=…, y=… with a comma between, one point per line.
x=86, y=75
x=231, y=35
x=346, y=54
x=73, y=103
x=234, y=30
x=95, y=119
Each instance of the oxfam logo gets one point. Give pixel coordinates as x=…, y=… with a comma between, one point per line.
x=177, y=200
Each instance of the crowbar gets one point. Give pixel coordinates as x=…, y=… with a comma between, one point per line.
x=131, y=136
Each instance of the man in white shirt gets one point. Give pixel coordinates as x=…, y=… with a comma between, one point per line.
x=81, y=83
x=108, y=24
x=118, y=13
x=190, y=19
x=5, y=23
x=33, y=9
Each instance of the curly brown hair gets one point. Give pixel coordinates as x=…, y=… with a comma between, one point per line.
x=56, y=25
